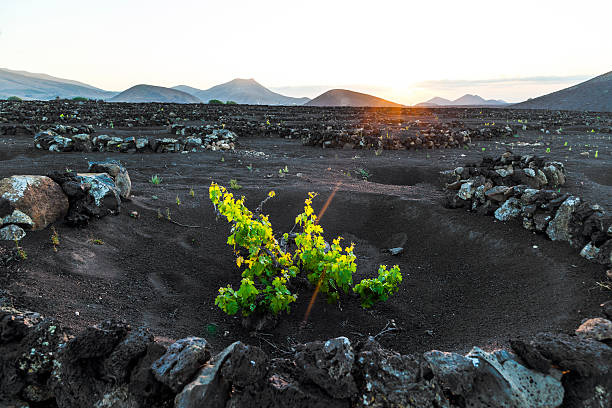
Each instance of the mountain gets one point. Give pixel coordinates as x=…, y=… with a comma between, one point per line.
x=435, y=101
x=592, y=95
x=27, y=85
x=152, y=93
x=344, y=97
x=244, y=91
x=465, y=100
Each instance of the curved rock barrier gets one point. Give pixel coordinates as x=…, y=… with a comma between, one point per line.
x=527, y=188
x=115, y=365
x=34, y=202
x=63, y=139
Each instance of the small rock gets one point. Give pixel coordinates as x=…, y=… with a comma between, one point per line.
x=17, y=218
x=12, y=233
x=597, y=328
x=181, y=361
x=510, y=209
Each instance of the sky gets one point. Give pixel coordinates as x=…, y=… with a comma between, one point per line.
x=405, y=51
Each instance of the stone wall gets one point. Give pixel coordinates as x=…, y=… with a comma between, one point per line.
x=528, y=189
x=190, y=139
x=116, y=365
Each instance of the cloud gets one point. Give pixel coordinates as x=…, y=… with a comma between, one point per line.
x=462, y=83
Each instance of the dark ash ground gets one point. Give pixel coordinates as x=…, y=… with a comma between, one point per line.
x=468, y=280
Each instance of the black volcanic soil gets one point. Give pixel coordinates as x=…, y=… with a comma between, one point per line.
x=468, y=280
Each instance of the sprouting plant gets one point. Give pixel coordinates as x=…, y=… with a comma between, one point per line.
x=168, y=214
x=20, y=251
x=97, y=241
x=268, y=267
x=379, y=288
x=364, y=173
x=222, y=159
x=234, y=184
x=378, y=152
x=55, y=238
x=596, y=153
x=191, y=193
x=156, y=180
x=484, y=148
x=250, y=167
x=178, y=201
x=159, y=214
x=565, y=144
x=548, y=150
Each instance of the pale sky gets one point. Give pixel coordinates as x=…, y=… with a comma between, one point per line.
x=400, y=50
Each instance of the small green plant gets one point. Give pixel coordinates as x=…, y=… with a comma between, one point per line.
x=178, y=201
x=380, y=288
x=159, y=214
x=234, y=184
x=222, y=159
x=269, y=267
x=97, y=241
x=548, y=150
x=55, y=239
x=250, y=167
x=364, y=173
x=168, y=214
x=156, y=180
x=191, y=193
x=20, y=251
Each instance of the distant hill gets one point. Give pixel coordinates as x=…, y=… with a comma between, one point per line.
x=465, y=100
x=27, y=85
x=344, y=97
x=592, y=95
x=244, y=91
x=151, y=93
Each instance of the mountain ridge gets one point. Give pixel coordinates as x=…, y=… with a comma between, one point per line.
x=243, y=91
x=594, y=95
x=345, y=97
x=143, y=93
x=465, y=100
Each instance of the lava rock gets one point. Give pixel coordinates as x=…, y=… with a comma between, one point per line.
x=596, y=328
x=117, y=171
x=12, y=233
x=181, y=361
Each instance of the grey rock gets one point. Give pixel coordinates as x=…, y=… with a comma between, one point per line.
x=208, y=389
x=117, y=171
x=503, y=382
x=329, y=365
x=454, y=372
x=181, y=361
x=467, y=190
x=498, y=193
x=597, y=328
x=102, y=188
x=510, y=209
x=558, y=228
x=12, y=233
x=590, y=252
x=18, y=218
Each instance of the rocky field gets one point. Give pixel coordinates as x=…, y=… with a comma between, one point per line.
x=155, y=254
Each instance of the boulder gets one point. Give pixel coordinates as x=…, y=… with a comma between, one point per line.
x=502, y=382
x=103, y=190
x=208, y=389
x=181, y=361
x=558, y=228
x=498, y=193
x=117, y=171
x=39, y=197
x=390, y=379
x=18, y=218
x=82, y=142
x=510, y=209
x=329, y=365
x=587, y=364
